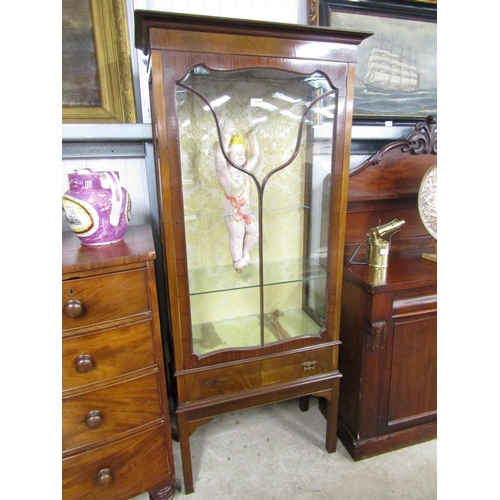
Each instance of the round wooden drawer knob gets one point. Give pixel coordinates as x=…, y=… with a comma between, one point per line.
x=73, y=308
x=104, y=477
x=84, y=363
x=93, y=420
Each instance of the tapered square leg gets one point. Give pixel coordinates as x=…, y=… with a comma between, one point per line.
x=182, y=428
x=332, y=410
x=304, y=403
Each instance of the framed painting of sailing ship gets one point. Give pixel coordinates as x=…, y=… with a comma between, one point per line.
x=396, y=73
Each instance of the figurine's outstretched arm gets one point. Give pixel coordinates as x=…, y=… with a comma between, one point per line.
x=253, y=149
x=221, y=162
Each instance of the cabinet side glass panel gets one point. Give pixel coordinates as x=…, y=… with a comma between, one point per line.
x=293, y=207
x=247, y=140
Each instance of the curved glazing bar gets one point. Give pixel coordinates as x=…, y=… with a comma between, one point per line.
x=274, y=102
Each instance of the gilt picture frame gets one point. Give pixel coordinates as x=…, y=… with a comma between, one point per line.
x=396, y=72
x=97, y=83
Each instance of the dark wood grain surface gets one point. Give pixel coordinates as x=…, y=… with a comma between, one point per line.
x=137, y=246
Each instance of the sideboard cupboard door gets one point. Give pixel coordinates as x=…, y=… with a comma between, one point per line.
x=409, y=396
x=241, y=113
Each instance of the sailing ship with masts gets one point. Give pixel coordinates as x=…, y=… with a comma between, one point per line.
x=391, y=68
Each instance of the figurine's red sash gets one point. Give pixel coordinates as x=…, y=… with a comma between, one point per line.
x=239, y=202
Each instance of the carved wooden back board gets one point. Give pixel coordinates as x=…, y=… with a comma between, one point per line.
x=386, y=186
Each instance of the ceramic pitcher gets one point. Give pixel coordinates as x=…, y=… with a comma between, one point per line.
x=96, y=207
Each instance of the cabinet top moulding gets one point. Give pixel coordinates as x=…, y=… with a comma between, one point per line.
x=264, y=38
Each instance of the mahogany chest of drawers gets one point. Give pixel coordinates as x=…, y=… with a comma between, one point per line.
x=115, y=421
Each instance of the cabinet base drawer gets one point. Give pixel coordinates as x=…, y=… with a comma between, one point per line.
x=121, y=470
x=244, y=376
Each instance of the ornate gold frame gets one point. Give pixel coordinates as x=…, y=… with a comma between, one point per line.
x=109, y=23
x=313, y=12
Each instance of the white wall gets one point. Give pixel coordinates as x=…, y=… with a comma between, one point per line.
x=286, y=11
x=132, y=171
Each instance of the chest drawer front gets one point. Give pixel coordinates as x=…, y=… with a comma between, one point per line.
x=121, y=470
x=100, y=356
x=95, y=415
x=259, y=373
x=105, y=298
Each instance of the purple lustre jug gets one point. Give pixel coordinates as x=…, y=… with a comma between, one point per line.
x=96, y=207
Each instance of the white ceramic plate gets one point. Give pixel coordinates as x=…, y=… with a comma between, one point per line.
x=427, y=200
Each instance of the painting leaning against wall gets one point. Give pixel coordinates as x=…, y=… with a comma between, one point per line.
x=97, y=82
x=80, y=83
x=396, y=71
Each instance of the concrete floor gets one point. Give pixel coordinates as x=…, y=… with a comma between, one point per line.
x=276, y=452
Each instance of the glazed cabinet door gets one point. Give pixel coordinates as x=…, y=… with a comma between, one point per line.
x=246, y=179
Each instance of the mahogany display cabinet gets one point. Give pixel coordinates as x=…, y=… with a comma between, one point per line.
x=241, y=112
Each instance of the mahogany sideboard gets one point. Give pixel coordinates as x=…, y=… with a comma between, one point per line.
x=115, y=421
x=388, y=330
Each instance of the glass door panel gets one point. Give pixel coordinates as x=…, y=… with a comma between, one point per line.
x=248, y=175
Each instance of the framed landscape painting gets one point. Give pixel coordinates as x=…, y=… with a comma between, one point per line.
x=97, y=85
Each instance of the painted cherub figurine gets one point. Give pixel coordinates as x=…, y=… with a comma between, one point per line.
x=241, y=226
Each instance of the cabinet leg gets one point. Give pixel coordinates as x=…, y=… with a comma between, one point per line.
x=304, y=403
x=332, y=410
x=164, y=494
x=182, y=429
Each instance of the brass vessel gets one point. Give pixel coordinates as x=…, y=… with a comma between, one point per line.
x=378, y=248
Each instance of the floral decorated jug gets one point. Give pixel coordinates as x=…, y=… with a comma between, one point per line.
x=96, y=207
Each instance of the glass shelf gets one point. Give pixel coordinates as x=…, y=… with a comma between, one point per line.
x=224, y=278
